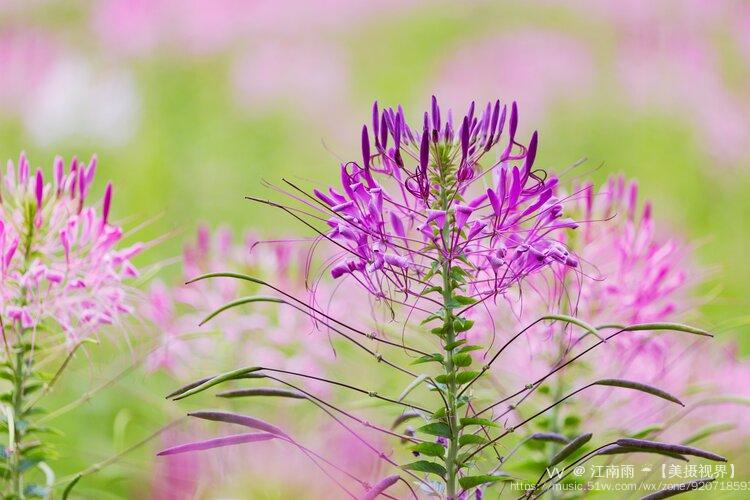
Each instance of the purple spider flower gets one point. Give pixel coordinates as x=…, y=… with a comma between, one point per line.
x=497, y=216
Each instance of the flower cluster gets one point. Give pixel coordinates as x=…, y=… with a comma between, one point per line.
x=264, y=335
x=434, y=193
x=60, y=262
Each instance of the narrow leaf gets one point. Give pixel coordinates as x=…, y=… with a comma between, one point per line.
x=570, y=448
x=220, y=442
x=637, y=386
x=438, y=358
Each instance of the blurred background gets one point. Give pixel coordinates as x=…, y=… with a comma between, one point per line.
x=190, y=104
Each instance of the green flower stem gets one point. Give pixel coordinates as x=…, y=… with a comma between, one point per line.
x=449, y=333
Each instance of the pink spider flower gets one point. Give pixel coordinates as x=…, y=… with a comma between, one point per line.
x=263, y=335
x=60, y=258
x=390, y=222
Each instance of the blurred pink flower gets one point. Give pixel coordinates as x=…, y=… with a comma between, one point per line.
x=539, y=69
x=60, y=262
x=313, y=77
x=258, y=334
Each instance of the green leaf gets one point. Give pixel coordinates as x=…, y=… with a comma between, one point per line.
x=433, y=317
x=570, y=448
x=426, y=466
x=469, y=348
x=463, y=300
x=436, y=429
x=465, y=422
x=231, y=375
x=462, y=325
x=429, y=449
x=466, y=377
x=439, y=413
x=453, y=345
x=468, y=482
x=462, y=360
x=637, y=386
x=428, y=358
x=468, y=439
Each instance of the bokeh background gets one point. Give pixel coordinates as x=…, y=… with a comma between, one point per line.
x=190, y=104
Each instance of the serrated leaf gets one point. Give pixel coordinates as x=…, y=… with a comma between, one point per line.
x=468, y=439
x=465, y=422
x=429, y=449
x=426, y=466
x=570, y=448
x=436, y=429
x=637, y=386
x=468, y=482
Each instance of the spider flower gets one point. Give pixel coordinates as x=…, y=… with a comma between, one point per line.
x=177, y=311
x=60, y=258
x=495, y=213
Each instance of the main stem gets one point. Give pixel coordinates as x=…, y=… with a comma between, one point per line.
x=450, y=370
x=449, y=337
x=18, y=403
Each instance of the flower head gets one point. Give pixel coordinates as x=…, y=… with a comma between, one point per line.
x=463, y=191
x=60, y=261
